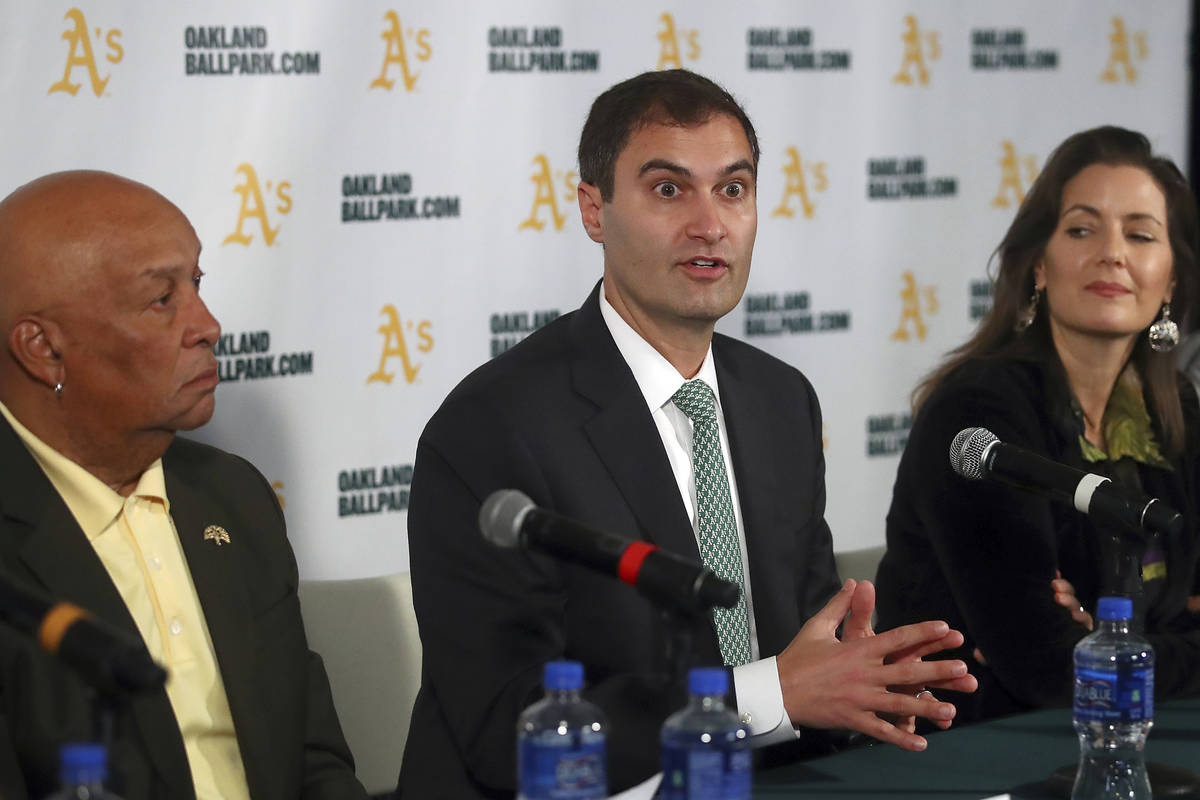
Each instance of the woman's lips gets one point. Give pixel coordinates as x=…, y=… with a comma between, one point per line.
x=1105, y=289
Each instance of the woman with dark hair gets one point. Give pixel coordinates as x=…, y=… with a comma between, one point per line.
x=1097, y=276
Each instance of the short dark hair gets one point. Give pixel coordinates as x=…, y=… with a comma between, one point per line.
x=1025, y=243
x=671, y=97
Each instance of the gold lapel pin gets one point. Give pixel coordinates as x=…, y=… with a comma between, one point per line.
x=217, y=534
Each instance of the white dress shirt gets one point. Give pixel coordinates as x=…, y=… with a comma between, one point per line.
x=759, y=695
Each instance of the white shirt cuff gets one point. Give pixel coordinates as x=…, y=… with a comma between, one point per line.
x=760, y=702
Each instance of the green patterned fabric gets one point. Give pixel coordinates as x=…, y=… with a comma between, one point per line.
x=719, y=546
x=1127, y=429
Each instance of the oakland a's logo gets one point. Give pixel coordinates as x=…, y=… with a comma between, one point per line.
x=796, y=173
x=1012, y=187
x=395, y=345
x=1121, y=55
x=396, y=53
x=910, y=308
x=81, y=54
x=544, y=196
x=669, y=53
x=254, y=208
x=919, y=47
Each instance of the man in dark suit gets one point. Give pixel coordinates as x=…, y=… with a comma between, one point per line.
x=583, y=417
x=109, y=353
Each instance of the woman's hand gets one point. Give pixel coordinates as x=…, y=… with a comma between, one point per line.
x=1064, y=595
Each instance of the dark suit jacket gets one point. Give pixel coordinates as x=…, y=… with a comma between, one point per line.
x=561, y=418
x=287, y=729
x=981, y=555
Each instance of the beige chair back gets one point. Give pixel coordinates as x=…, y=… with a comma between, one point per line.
x=366, y=632
x=859, y=564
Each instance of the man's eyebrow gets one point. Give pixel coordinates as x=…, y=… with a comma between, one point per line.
x=738, y=166
x=160, y=273
x=664, y=164
x=671, y=166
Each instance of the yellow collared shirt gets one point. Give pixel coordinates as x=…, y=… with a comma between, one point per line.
x=136, y=541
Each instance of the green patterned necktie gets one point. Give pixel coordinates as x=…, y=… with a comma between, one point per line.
x=719, y=546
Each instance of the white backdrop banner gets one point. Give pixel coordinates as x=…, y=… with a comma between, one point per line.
x=386, y=194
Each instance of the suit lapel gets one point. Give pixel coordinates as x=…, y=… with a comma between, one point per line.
x=624, y=436
x=56, y=550
x=217, y=574
x=57, y=553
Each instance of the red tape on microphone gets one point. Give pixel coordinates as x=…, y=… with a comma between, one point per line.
x=631, y=561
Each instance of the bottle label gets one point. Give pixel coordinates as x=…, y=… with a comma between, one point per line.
x=560, y=771
x=1109, y=696
x=711, y=774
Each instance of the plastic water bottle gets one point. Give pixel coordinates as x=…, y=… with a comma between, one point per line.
x=705, y=748
x=82, y=769
x=560, y=741
x=1114, y=706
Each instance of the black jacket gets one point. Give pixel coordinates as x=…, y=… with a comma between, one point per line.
x=561, y=418
x=287, y=730
x=981, y=555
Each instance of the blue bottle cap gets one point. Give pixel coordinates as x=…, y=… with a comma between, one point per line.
x=83, y=762
x=1115, y=608
x=708, y=680
x=563, y=675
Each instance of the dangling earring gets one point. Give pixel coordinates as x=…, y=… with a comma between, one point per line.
x=1028, y=314
x=1164, y=333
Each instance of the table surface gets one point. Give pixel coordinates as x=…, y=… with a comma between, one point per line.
x=1012, y=755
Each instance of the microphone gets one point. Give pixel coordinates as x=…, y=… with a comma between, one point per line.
x=509, y=518
x=107, y=658
x=976, y=453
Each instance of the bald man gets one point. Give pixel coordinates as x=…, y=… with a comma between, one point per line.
x=109, y=354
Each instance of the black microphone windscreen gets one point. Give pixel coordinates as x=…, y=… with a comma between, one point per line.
x=967, y=451
x=501, y=515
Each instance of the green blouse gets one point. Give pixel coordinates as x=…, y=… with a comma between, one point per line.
x=1127, y=429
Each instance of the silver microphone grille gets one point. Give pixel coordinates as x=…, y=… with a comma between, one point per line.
x=501, y=515
x=967, y=451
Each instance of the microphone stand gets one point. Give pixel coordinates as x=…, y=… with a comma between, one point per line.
x=106, y=708
x=677, y=620
x=1121, y=560
x=676, y=639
